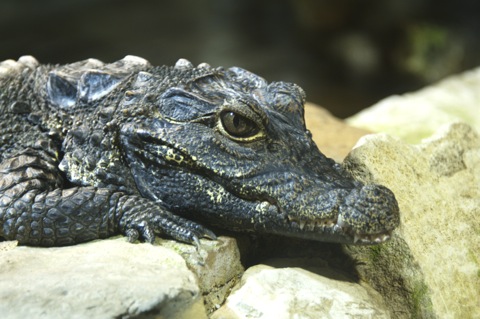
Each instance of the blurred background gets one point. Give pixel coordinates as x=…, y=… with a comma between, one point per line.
x=346, y=54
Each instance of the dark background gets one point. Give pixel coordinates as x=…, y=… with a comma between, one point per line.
x=347, y=54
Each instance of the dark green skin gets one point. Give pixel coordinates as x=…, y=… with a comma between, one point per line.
x=89, y=150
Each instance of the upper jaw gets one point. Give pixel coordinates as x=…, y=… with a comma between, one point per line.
x=334, y=231
x=364, y=215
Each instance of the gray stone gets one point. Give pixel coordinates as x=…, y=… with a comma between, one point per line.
x=216, y=264
x=417, y=115
x=102, y=279
x=434, y=256
x=291, y=292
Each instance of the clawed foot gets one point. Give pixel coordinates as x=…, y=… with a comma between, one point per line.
x=145, y=220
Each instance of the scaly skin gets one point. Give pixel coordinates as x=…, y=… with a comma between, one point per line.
x=89, y=150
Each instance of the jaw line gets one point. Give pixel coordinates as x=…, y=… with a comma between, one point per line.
x=334, y=230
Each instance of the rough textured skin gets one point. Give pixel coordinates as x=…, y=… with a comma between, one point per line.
x=89, y=150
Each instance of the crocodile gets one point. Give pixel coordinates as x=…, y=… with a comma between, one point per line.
x=89, y=150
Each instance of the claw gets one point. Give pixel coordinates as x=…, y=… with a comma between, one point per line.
x=146, y=219
x=209, y=234
x=196, y=242
x=148, y=234
x=201, y=231
x=132, y=235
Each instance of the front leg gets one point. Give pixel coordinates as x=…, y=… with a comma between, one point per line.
x=140, y=217
x=35, y=210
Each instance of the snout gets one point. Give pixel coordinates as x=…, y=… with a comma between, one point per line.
x=369, y=212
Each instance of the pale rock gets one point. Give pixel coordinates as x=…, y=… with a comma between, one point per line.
x=333, y=136
x=101, y=279
x=417, y=115
x=291, y=292
x=435, y=255
x=216, y=263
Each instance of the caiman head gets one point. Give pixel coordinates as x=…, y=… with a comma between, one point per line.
x=226, y=148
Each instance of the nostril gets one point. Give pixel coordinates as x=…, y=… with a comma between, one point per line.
x=376, y=193
x=370, y=209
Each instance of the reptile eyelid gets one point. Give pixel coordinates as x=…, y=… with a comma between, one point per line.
x=243, y=111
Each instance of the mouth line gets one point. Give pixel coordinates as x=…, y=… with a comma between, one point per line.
x=372, y=238
x=332, y=226
x=312, y=225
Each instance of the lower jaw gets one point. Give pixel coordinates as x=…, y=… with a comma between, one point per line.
x=329, y=231
x=371, y=239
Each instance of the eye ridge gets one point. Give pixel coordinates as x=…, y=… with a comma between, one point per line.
x=238, y=125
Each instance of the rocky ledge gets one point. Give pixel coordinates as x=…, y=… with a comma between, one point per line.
x=430, y=268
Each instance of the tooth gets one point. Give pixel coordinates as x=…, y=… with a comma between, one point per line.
x=309, y=226
x=340, y=221
x=302, y=224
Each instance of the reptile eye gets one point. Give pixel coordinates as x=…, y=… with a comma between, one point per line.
x=238, y=126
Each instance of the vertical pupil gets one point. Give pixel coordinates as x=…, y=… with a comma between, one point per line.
x=238, y=125
x=236, y=120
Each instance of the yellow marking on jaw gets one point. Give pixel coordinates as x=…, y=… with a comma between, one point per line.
x=172, y=156
x=215, y=196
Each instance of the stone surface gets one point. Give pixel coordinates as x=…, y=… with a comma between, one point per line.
x=291, y=292
x=333, y=136
x=216, y=264
x=102, y=279
x=417, y=115
x=435, y=257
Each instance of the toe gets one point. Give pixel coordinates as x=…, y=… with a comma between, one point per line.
x=132, y=235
